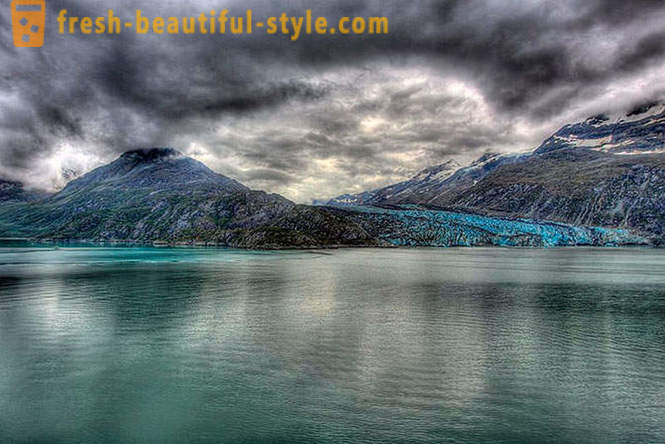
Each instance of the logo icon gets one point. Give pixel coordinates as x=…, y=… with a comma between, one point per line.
x=28, y=20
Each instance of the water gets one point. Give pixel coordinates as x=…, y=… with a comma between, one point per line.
x=417, y=345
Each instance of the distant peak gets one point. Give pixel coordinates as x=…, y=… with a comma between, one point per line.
x=437, y=172
x=151, y=154
x=450, y=163
x=636, y=112
x=642, y=108
x=485, y=157
x=7, y=182
x=598, y=119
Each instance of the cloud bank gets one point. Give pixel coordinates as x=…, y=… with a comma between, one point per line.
x=323, y=115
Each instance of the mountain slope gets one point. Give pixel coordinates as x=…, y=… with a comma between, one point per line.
x=577, y=186
x=604, y=171
x=641, y=130
x=147, y=171
x=12, y=191
x=425, y=182
x=160, y=195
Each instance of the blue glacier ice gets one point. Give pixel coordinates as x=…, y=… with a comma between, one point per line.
x=413, y=226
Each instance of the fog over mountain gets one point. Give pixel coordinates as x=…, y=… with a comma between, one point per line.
x=324, y=115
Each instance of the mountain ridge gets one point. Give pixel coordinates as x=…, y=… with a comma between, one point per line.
x=11, y=190
x=613, y=175
x=640, y=130
x=160, y=195
x=425, y=179
x=148, y=168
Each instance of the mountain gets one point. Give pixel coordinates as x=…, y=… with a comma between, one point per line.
x=577, y=186
x=641, y=130
x=429, y=184
x=159, y=195
x=153, y=169
x=425, y=182
x=605, y=171
x=12, y=191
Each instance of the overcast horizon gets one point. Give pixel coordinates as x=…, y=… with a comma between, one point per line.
x=323, y=115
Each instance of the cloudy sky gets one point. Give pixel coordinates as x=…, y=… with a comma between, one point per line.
x=323, y=115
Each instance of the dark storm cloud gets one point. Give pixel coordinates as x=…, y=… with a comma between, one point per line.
x=646, y=50
x=322, y=110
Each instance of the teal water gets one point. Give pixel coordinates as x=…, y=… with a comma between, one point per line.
x=414, y=345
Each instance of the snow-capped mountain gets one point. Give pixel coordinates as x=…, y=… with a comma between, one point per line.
x=425, y=182
x=608, y=170
x=638, y=131
x=642, y=130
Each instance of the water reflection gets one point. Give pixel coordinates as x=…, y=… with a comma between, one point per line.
x=396, y=345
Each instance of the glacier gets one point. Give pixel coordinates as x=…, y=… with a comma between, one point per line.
x=415, y=226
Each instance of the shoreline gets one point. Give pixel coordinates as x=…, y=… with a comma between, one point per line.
x=84, y=243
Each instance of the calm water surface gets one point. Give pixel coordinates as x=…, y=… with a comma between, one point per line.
x=418, y=345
